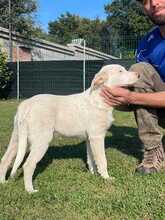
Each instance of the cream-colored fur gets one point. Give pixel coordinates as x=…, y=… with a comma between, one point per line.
x=84, y=115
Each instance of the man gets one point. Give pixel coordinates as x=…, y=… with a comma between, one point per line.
x=149, y=93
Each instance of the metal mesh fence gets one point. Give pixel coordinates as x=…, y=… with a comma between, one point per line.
x=123, y=46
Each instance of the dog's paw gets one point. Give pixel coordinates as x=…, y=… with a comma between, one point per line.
x=13, y=175
x=111, y=178
x=3, y=181
x=92, y=171
x=32, y=191
x=107, y=177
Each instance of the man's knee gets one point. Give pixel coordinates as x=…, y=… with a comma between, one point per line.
x=147, y=75
x=144, y=69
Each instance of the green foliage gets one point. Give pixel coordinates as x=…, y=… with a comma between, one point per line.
x=127, y=24
x=38, y=32
x=119, y=34
x=5, y=75
x=22, y=16
x=127, y=18
x=64, y=28
x=69, y=26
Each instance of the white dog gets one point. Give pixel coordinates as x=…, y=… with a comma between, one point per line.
x=85, y=115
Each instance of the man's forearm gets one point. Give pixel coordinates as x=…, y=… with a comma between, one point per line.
x=156, y=99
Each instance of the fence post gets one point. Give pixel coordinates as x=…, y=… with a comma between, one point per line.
x=10, y=33
x=18, y=74
x=79, y=41
x=84, y=66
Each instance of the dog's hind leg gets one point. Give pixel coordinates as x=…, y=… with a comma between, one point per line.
x=36, y=154
x=90, y=161
x=38, y=148
x=98, y=151
x=9, y=155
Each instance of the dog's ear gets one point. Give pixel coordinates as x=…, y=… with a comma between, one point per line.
x=98, y=80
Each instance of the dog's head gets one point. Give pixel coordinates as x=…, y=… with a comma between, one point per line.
x=114, y=75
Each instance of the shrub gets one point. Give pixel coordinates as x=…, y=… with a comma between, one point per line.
x=5, y=76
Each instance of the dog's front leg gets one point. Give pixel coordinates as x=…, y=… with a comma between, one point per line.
x=90, y=161
x=98, y=151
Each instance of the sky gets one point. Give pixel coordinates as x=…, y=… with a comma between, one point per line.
x=50, y=10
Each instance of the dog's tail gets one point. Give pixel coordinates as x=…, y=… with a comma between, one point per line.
x=22, y=144
x=9, y=154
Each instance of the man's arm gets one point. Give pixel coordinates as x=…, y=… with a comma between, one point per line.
x=116, y=96
x=156, y=99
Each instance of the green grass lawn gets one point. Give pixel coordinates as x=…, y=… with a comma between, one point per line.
x=68, y=191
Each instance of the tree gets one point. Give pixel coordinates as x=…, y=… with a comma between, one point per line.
x=69, y=26
x=22, y=15
x=127, y=17
x=127, y=24
x=64, y=28
x=6, y=75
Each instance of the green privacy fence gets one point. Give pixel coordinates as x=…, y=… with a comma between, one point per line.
x=55, y=77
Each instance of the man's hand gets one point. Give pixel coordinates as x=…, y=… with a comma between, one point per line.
x=116, y=96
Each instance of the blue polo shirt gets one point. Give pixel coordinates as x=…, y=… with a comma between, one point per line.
x=151, y=49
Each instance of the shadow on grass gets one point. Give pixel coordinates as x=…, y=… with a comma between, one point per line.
x=124, y=139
